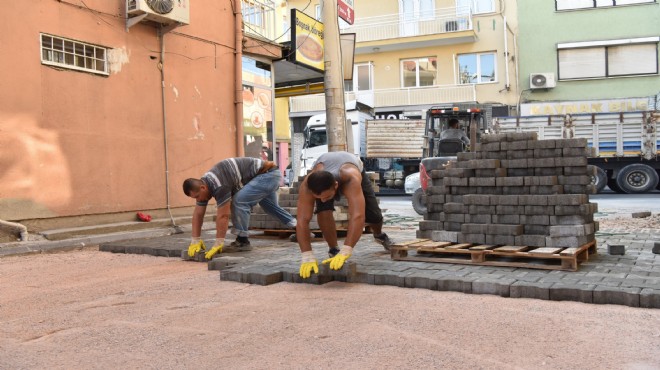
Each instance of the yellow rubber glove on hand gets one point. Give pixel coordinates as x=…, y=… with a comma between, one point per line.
x=196, y=245
x=308, y=264
x=338, y=260
x=217, y=248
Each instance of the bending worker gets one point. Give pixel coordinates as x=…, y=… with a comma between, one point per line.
x=237, y=184
x=334, y=174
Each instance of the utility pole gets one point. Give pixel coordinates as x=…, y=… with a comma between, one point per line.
x=335, y=108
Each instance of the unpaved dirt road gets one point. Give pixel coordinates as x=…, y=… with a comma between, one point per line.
x=95, y=310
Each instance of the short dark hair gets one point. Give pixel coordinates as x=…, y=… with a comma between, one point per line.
x=453, y=122
x=190, y=185
x=320, y=181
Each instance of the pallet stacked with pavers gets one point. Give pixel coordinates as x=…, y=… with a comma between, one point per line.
x=514, y=190
x=288, y=199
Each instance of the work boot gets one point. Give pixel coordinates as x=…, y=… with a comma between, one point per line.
x=238, y=246
x=333, y=252
x=383, y=240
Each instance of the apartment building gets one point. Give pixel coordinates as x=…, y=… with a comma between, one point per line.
x=413, y=54
x=585, y=56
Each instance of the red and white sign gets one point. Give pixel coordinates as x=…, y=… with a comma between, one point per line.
x=345, y=10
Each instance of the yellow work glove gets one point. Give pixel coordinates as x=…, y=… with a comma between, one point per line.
x=217, y=248
x=338, y=260
x=308, y=264
x=196, y=245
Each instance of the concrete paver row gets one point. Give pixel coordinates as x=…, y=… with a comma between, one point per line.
x=632, y=279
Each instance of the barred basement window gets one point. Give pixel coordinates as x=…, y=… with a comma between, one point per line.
x=70, y=54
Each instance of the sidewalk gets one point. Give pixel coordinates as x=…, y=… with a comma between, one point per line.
x=632, y=279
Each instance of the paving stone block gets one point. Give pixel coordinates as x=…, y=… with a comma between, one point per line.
x=617, y=295
x=649, y=298
x=430, y=225
x=521, y=172
x=536, y=229
x=518, y=154
x=564, y=292
x=535, y=220
x=482, y=210
x=506, y=219
x=389, y=278
x=424, y=234
x=452, y=226
x=547, y=153
x=539, y=210
x=525, y=289
x=482, y=181
x=472, y=238
x=504, y=229
x=572, y=143
x=421, y=280
x=466, y=156
x=455, y=217
x=265, y=277
x=568, y=230
x=435, y=216
x=571, y=161
x=533, y=200
x=541, y=162
x=489, y=147
x=567, y=241
x=487, y=285
x=221, y=262
x=548, y=171
x=477, y=199
x=509, y=181
x=509, y=210
x=474, y=228
x=505, y=200
x=478, y=219
x=198, y=257
x=616, y=249
x=456, y=181
x=514, y=145
x=515, y=163
x=444, y=236
x=571, y=220
x=344, y=274
x=540, y=144
x=437, y=190
x=459, y=172
x=455, y=284
x=454, y=208
x=641, y=214
x=574, y=180
x=531, y=240
x=568, y=199
x=493, y=138
x=576, y=171
x=500, y=239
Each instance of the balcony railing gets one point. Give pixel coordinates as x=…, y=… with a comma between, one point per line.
x=394, y=26
x=392, y=97
x=259, y=18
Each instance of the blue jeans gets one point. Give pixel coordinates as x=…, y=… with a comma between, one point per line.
x=262, y=189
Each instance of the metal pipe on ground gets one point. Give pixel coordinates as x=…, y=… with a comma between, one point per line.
x=22, y=229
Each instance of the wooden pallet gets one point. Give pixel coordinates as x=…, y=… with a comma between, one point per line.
x=494, y=255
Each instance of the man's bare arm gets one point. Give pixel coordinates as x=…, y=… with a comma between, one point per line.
x=352, y=189
x=304, y=217
x=222, y=220
x=198, y=220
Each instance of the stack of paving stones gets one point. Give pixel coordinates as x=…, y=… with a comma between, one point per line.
x=288, y=199
x=514, y=190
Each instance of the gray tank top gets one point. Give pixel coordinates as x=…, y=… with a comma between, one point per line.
x=332, y=161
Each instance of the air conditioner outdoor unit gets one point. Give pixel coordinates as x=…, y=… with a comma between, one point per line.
x=542, y=80
x=161, y=11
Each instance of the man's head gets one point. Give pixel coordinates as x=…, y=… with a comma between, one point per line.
x=453, y=123
x=196, y=189
x=322, y=184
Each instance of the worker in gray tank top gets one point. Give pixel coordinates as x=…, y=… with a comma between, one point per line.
x=335, y=174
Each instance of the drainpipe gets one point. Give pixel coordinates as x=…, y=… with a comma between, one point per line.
x=506, y=54
x=161, y=66
x=238, y=77
x=21, y=228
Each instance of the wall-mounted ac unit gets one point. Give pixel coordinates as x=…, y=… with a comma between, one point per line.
x=542, y=80
x=160, y=11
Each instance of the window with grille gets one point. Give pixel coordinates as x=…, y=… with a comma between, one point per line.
x=70, y=54
x=586, y=4
x=608, y=58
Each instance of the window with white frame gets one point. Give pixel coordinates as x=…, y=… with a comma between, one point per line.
x=476, y=6
x=477, y=68
x=66, y=53
x=585, y=4
x=362, y=78
x=258, y=17
x=419, y=72
x=611, y=58
x=318, y=13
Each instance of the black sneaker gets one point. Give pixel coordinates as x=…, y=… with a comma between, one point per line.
x=333, y=252
x=383, y=240
x=237, y=246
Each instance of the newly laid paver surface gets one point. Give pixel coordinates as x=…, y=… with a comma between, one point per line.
x=632, y=279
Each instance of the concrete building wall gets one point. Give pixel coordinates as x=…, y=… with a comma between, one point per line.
x=542, y=28
x=75, y=143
